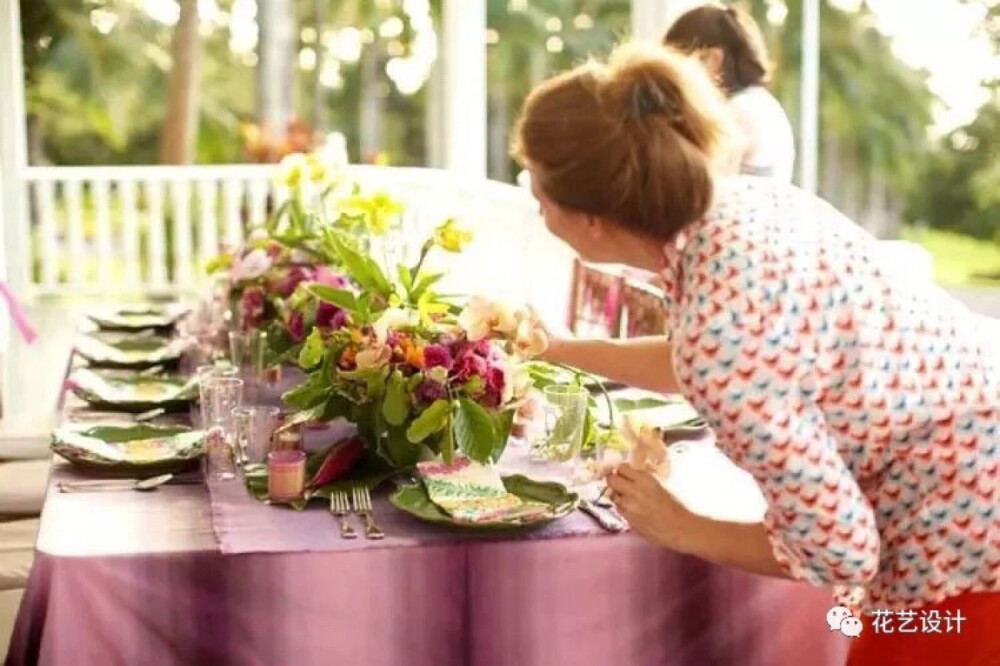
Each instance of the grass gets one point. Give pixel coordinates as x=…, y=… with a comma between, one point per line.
x=959, y=261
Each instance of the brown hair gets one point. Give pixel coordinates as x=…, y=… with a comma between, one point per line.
x=734, y=32
x=634, y=140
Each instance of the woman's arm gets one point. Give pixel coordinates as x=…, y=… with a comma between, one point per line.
x=645, y=362
x=742, y=545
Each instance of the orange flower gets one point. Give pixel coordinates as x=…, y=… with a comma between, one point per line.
x=415, y=357
x=348, y=356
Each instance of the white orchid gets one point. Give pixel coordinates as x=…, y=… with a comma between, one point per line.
x=516, y=383
x=393, y=318
x=530, y=339
x=482, y=317
x=252, y=266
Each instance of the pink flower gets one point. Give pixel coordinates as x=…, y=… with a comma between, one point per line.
x=437, y=356
x=297, y=326
x=428, y=391
x=252, y=308
x=325, y=276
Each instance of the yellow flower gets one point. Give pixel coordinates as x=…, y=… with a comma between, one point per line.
x=318, y=172
x=292, y=169
x=378, y=211
x=450, y=237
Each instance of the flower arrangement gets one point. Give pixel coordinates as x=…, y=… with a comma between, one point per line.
x=416, y=374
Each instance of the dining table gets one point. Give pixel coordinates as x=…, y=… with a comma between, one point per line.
x=204, y=574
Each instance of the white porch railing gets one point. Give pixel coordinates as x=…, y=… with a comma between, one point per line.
x=139, y=230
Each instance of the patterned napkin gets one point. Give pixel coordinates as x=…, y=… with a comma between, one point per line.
x=471, y=492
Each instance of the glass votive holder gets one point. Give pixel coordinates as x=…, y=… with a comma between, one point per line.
x=289, y=439
x=286, y=475
x=219, y=461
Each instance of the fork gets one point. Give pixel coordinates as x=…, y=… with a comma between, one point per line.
x=363, y=507
x=340, y=507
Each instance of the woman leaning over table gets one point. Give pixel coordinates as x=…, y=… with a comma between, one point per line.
x=866, y=408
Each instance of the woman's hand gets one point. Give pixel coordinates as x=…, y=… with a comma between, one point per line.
x=650, y=509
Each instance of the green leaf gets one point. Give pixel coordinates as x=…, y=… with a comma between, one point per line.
x=405, y=278
x=448, y=440
x=398, y=449
x=342, y=298
x=414, y=381
x=312, y=351
x=628, y=405
x=395, y=407
x=430, y=421
x=336, y=407
x=304, y=416
x=425, y=282
x=504, y=424
x=475, y=430
x=312, y=392
x=474, y=386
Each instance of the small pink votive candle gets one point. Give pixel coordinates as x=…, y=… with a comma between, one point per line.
x=286, y=475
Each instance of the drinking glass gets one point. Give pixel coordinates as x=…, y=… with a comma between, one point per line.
x=255, y=426
x=565, y=419
x=218, y=397
x=247, y=350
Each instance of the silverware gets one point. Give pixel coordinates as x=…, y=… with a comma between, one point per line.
x=341, y=508
x=604, y=518
x=150, y=415
x=142, y=485
x=363, y=507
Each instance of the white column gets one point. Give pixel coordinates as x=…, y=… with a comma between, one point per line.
x=650, y=18
x=809, y=122
x=464, y=67
x=14, y=261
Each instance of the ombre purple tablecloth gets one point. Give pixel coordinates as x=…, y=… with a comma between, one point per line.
x=178, y=578
x=139, y=580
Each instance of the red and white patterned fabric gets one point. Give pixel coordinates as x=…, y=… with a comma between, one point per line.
x=865, y=404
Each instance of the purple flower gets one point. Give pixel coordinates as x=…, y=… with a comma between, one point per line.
x=437, y=356
x=252, y=308
x=428, y=391
x=469, y=366
x=297, y=326
x=287, y=284
x=329, y=315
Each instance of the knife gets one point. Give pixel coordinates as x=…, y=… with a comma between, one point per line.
x=605, y=519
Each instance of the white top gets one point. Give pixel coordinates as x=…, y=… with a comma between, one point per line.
x=772, y=147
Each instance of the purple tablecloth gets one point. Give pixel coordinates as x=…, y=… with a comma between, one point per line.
x=140, y=579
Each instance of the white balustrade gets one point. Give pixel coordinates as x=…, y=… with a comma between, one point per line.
x=142, y=230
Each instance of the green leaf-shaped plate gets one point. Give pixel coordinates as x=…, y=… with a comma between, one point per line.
x=137, y=318
x=117, y=391
x=414, y=500
x=129, y=450
x=119, y=351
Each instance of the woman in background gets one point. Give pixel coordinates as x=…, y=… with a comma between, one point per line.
x=729, y=43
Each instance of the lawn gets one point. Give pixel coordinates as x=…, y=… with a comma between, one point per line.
x=959, y=261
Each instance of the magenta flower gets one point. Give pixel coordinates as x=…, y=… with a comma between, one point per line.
x=330, y=316
x=428, y=391
x=297, y=326
x=493, y=394
x=287, y=284
x=437, y=356
x=469, y=366
x=252, y=308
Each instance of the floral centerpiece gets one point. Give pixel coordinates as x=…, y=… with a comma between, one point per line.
x=418, y=375
x=263, y=276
